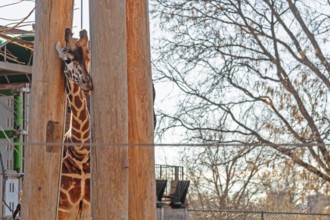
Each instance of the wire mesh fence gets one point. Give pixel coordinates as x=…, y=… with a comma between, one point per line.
x=253, y=215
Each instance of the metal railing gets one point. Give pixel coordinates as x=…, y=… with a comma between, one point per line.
x=169, y=172
x=253, y=215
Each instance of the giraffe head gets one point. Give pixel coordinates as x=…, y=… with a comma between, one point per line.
x=77, y=59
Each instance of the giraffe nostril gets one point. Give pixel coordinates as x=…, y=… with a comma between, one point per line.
x=85, y=79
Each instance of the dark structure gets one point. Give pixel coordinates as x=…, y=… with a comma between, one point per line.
x=171, y=201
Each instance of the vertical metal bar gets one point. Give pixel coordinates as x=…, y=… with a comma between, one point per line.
x=18, y=125
x=5, y=54
x=176, y=172
x=81, y=14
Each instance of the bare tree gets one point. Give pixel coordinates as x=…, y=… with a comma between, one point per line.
x=288, y=187
x=253, y=70
x=223, y=178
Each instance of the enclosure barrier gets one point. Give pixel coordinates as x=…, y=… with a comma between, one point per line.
x=195, y=214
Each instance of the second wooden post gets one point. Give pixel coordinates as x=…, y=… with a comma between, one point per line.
x=109, y=109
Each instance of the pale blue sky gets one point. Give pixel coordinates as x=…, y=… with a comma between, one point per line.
x=11, y=11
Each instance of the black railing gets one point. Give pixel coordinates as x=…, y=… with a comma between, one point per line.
x=169, y=172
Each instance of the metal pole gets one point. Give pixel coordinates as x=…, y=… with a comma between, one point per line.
x=18, y=125
x=81, y=14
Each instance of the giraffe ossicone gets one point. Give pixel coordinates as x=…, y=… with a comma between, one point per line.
x=74, y=200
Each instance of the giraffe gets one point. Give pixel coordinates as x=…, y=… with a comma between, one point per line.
x=74, y=200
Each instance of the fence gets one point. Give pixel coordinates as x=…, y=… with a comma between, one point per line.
x=169, y=172
x=253, y=215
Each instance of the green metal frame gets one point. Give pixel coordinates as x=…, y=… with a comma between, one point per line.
x=18, y=125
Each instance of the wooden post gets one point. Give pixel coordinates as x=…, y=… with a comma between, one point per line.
x=42, y=163
x=109, y=109
x=142, y=192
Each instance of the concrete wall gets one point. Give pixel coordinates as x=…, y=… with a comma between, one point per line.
x=167, y=213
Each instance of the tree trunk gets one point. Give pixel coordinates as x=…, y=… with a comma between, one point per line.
x=141, y=175
x=109, y=109
x=42, y=162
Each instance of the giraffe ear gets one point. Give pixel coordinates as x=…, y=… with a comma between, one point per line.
x=60, y=51
x=58, y=47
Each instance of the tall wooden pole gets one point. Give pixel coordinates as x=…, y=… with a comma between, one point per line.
x=142, y=192
x=42, y=162
x=109, y=109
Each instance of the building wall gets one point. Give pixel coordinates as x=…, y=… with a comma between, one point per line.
x=6, y=150
x=168, y=213
x=7, y=112
x=10, y=183
x=11, y=196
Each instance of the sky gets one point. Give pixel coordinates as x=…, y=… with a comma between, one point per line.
x=11, y=11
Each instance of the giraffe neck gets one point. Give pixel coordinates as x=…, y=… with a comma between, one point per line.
x=79, y=121
x=75, y=176
x=74, y=199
